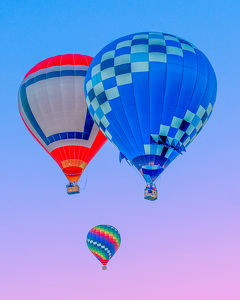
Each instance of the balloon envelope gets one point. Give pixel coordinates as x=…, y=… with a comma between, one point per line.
x=53, y=107
x=103, y=241
x=150, y=93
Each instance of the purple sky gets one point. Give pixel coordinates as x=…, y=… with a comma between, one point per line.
x=186, y=245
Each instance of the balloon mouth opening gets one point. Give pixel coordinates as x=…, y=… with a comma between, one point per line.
x=151, y=166
x=150, y=162
x=151, y=172
x=104, y=263
x=72, y=171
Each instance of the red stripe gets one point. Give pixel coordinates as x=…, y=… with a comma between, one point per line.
x=61, y=60
x=77, y=152
x=104, y=261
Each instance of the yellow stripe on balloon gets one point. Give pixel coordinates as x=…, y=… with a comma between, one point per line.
x=73, y=163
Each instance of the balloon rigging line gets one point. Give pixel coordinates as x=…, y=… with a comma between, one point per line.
x=84, y=185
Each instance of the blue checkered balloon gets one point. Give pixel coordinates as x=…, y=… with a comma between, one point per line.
x=151, y=94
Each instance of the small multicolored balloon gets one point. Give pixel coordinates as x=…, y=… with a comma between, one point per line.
x=103, y=241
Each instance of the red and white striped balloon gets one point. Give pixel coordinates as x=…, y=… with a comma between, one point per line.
x=53, y=107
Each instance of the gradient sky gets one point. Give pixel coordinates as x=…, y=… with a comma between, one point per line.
x=184, y=246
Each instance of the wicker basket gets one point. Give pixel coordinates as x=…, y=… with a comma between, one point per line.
x=73, y=190
x=150, y=194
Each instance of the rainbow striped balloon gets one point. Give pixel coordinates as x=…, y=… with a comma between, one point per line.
x=103, y=241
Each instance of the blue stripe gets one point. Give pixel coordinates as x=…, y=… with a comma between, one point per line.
x=68, y=135
x=56, y=74
x=30, y=115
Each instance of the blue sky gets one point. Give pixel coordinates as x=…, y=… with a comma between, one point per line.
x=185, y=245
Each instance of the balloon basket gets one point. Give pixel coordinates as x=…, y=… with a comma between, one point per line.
x=72, y=189
x=150, y=193
x=104, y=267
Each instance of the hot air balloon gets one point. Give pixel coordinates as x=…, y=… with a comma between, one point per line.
x=53, y=107
x=103, y=241
x=151, y=94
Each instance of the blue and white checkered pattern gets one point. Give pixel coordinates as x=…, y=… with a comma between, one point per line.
x=150, y=85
